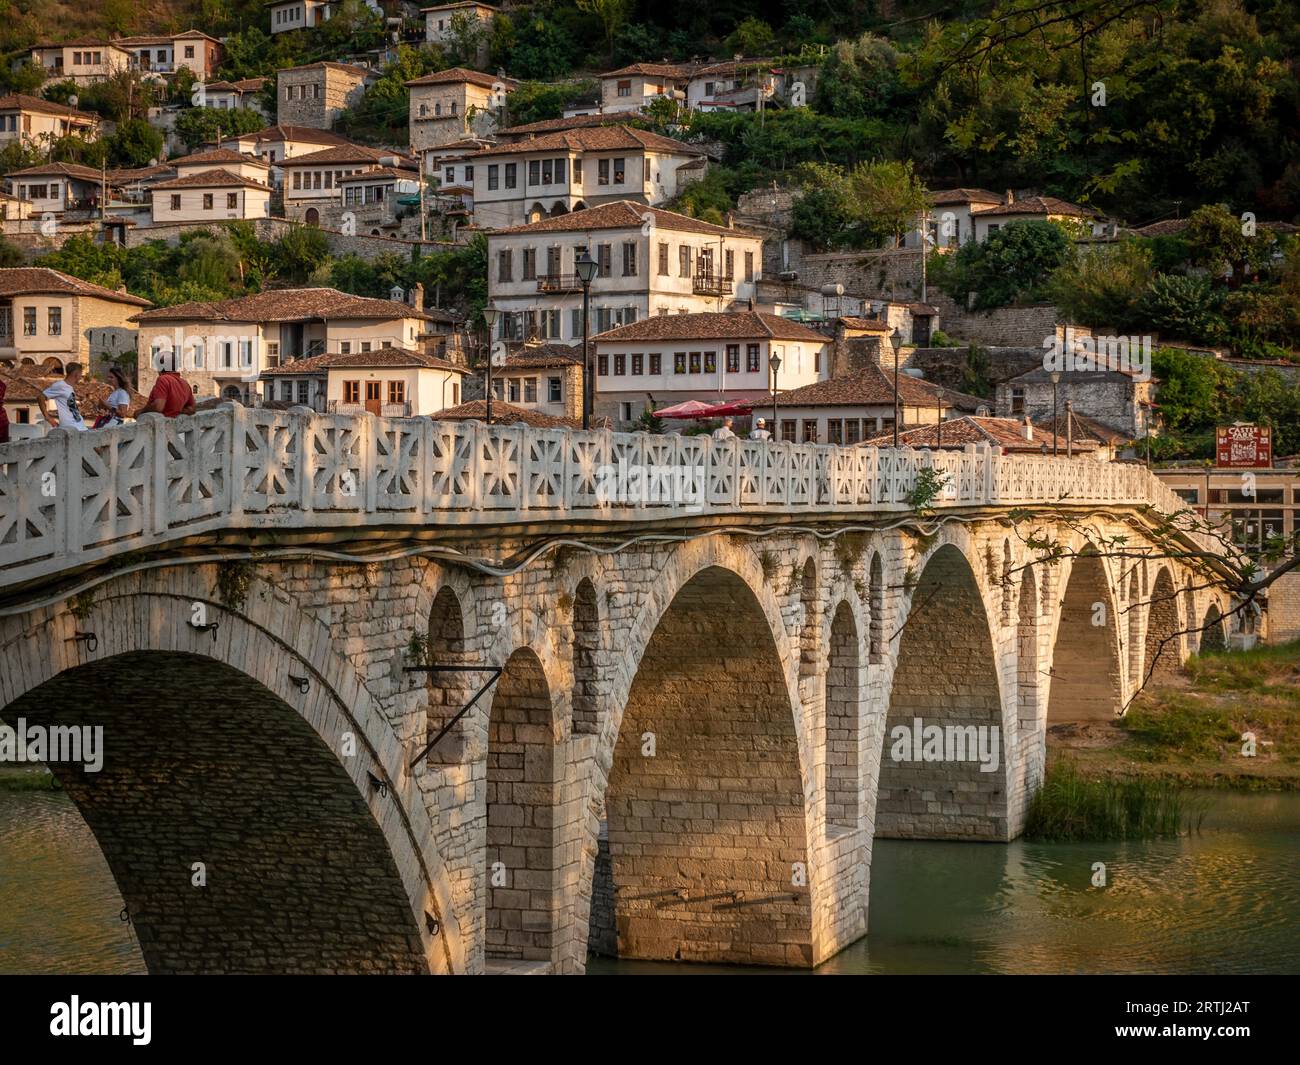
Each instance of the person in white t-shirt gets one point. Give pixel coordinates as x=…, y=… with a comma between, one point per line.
x=63, y=401
x=119, y=400
x=759, y=432
x=724, y=432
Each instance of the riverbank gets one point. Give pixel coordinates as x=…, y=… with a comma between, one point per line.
x=27, y=778
x=1192, y=729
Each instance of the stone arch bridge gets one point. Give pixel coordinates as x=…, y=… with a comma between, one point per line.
x=717, y=666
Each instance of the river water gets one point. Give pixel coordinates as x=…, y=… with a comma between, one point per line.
x=1223, y=900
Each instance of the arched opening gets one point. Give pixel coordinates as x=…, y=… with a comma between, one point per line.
x=1086, y=683
x=1162, y=644
x=558, y=208
x=579, y=206
x=943, y=766
x=810, y=619
x=876, y=605
x=238, y=840
x=522, y=770
x=843, y=685
x=1032, y=743
x=448, y=692
x=586, y=649
x=1189, y=612
x=52, y=365
x=536, y=212
x=1213, y=637
x=1134, y=632
x=1008, y=586
x=312, y=217
x=232, y=392
x=707, y=835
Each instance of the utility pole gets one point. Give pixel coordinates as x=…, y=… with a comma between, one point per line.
x=421, y=155
x=925, y=248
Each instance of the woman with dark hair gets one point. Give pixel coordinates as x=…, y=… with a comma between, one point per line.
x=119, y=400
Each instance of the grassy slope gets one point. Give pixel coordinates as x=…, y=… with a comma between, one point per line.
x=62, y=19
x=1190, y=727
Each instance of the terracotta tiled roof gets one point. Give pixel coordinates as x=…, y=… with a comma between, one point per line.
x=41, y=280
x=712, y=325
x=139, y=173
x=555, y=125
x=869, y=325
x=243, y=85
x=141, y=42
x=326, y=64
x=189, y=35
x=68, y=170
x=379, y=172
x=18, y=101
x=544, y=357
x=730, y=66
x=456, y=75
x=461, y=3
x=602, y=138
x=79, y=42
x=291, y=133
x=950, y=196
x=873, y=386
x=1044, y=205
x=623, y=214
x=385, y=357
x=215, y=178
x=504, y=414
x=215, y=157
x=285, y=305
x=345, y=153
x=1038, y=375
x=1006, y=433
x=1082, y=427
x=654, y=70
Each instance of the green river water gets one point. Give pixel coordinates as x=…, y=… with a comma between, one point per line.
x=1223, y=900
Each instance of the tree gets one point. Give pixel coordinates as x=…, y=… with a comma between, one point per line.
x=1187, y=308
x=1102, y=286
x=753, y=37
x=467, y=38
x=134, y=143
x=859, y=79
x=889, y=198
x=612, y=14
x=117, y=16
x=542, y=51
x=199, y=125
x=1011, y=264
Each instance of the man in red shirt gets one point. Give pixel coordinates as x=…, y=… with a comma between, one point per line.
x=171, y=395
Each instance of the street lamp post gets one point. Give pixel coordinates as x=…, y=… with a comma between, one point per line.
x=1056, y=380
x=1069, y=428
x=491, y=315
x=585, y=267
x=896, y=339
x=774, y=361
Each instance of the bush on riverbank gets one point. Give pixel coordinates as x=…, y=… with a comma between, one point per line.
x=1071, y=807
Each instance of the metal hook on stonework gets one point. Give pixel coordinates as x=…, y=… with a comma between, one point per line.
x=88, y=638
x=211, y=627
x=124, y=916
x=431, y=923
x=302, y=682
x=378, y=784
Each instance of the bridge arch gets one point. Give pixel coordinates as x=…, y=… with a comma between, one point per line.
x=215, y=754
x=1163, y=640
x=1213, y=636
x=940, y=792
x=1086, y=679
x=843, y=720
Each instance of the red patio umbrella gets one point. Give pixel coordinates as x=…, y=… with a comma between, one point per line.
x=692, y=408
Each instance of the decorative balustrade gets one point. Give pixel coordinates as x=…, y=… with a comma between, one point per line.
x=71, y=498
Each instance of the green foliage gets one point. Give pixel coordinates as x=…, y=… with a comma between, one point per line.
x=197, y=126
x=536, y=101
x=929, y=483
x=613, y=15
x=753, y=37
x=859, y=79
x=1194, y=391
x=1012, y=265
x=382, y=114
x=134, y=143
x=1101, y=286
x=976, y=375
x=541, y=51
x=1187, y=308
x=1071, y=807
x=871, y=204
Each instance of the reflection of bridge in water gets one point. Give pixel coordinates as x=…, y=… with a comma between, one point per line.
x=687, y=751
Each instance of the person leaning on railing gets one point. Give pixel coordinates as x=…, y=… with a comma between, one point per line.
x=170, y=395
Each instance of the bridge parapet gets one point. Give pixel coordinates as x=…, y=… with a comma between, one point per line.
x=69, y=499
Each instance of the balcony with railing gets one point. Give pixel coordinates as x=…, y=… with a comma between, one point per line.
x=711, y=284
x=559, y=283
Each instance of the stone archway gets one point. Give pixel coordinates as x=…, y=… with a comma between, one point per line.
x=1163, y=650
x=523, y=772
x=586, y=658
x=312, y=217
x=843, y=722
x=203, y=764
x=705, y=802
x=1213, y=637
x=1086, y=680
x=945, y=712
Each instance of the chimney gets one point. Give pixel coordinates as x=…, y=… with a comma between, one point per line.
x=731, y=219
x=1027, y=430
x=1011, y=196
x=416, y=296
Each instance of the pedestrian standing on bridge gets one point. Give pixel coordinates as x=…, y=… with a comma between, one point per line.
x=62, y=411
x=170, y=395
x=759, y=432
x=724, y=432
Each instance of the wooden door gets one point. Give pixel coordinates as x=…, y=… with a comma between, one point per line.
x=373, y=404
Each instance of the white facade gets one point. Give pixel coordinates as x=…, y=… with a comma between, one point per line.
x=299, y=14
x=635, y=87
x=437, y=20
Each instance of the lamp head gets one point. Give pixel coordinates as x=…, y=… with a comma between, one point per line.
x=585, y=266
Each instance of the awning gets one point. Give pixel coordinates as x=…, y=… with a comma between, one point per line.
x=693, y=408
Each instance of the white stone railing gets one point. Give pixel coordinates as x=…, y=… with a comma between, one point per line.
x=68, y=499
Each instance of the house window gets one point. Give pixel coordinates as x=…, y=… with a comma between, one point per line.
x=602, y=172
x=629, y=259
x=625, y=88
x=176, y=201
x=207, y=201
x=345, y=347
x=351, y=391
x=530, y=389
x=810, y=430
x=494, y=176
x=55, y=323
x=577, y=171
x=834, y=431
x=232, y=200
x=1017, y=401
x=29, y=321
x=733, y=358
x=396, y=391
x=451, y=175
x=551, y=324
x=6, y=322
x=749, y=266
x=638, y=364
x=534, y=172
x=273, y=353
x=679, y=362
x=189, y=53
x=504, y=269
x=683, y=261
x=695, y=362
x=620, y=171
x=663, y=260
x=602, y=365
x=512, y=170
x=751, y=358
x=553, y=394
x=656, y=363
x=227, y=355
x=604, y=255
x=852, y=430
x=530, y=264
x=620, y=365
x=787, y=429
x=710, y=362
